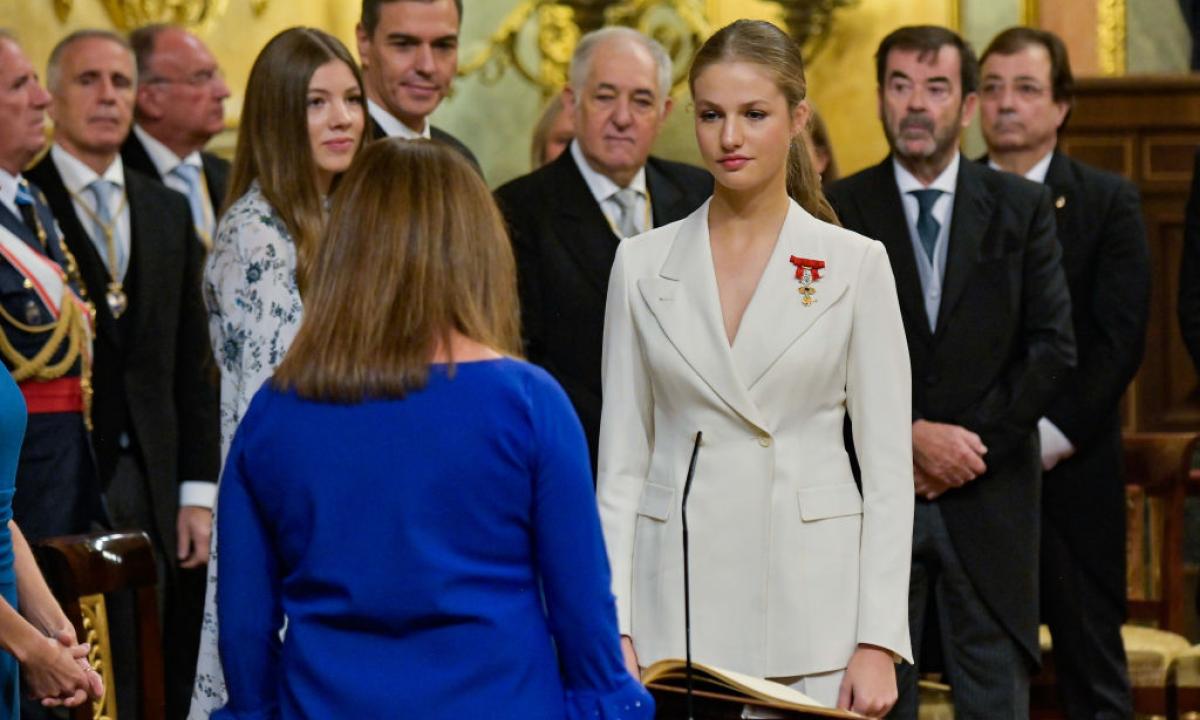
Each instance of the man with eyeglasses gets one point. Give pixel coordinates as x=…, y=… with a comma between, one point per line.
x=180, y=107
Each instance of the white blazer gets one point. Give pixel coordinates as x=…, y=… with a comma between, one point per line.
x=790, y=566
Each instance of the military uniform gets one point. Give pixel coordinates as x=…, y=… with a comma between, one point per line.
x=46, y=344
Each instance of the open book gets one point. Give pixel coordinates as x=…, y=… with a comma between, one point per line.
x=709, y=681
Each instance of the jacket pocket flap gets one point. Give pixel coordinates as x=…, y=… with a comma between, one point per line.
x=829, y=501
x=657, y=501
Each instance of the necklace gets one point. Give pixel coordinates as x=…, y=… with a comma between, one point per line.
x=117, y=301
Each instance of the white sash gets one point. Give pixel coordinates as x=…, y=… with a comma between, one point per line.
x=46, y=276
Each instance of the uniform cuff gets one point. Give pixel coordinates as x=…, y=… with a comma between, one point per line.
x=197, y=493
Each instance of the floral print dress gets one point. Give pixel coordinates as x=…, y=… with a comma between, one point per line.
x=254, y=310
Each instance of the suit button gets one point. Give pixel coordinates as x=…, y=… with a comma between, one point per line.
x=764, y=441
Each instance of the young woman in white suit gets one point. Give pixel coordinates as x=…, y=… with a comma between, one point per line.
x=760, y=322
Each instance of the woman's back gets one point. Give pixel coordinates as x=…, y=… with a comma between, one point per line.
x=413, y=539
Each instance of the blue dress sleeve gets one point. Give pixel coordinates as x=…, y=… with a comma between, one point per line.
x=574, y=569
x=249, y=608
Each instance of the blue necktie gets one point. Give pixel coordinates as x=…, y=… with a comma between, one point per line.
x=927, y=226
x=190, y=174
x=25, y=205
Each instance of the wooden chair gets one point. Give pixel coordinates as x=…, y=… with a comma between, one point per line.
x=80, y=569
x=1156, y=477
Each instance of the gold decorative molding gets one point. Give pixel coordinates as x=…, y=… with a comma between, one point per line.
x=62, y=9
x=95, y=633
x=954, y=12
x=1111, y=35
x=1031, y=13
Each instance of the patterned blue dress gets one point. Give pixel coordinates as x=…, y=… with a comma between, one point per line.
x=254, y=310
x=12, y=430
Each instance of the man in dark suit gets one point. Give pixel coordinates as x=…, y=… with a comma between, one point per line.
x=180, y=107
x=567, y=217
x=57, y=492
x=409, y=54
x=987, y=315
x=155, y=408
x=1025, y=97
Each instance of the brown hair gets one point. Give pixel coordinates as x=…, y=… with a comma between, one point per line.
x=370, y=12
x=1016, y=39
x=763, y=44
x=822, y=143
x=273, y=145
x=927, y=40
x=541, y=131
x=415, y=250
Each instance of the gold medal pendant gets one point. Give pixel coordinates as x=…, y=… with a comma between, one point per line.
x=117, y=302
x=806, y=288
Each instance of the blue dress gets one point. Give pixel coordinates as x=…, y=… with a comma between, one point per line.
x=12, y=431
x=436, y=556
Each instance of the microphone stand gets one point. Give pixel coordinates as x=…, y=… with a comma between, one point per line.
x=687, y=600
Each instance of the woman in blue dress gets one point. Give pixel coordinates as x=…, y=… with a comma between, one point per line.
x=416, y=502
x=39, y=637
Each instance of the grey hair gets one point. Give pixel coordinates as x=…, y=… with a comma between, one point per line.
x=53, y=65
x=581, y=60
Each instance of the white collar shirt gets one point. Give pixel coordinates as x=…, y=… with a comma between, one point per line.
x=1037, y=173
x=8, y=192
x=931, y=272
x=603, y=189
x=392, y=126
x=77, y=177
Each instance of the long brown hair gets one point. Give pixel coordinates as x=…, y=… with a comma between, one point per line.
x=415, y=250
x=761, y=43
x=273, y=145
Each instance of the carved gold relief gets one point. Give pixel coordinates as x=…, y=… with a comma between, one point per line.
x=95, y=633
x=62, y=8
x=1110, y=36
x=127, y=15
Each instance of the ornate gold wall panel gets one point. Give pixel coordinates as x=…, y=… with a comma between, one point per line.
x=1110, y=36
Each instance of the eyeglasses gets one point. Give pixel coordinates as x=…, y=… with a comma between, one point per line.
x=198, y=79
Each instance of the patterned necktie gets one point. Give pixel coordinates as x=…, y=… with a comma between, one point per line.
x=190, y=175
x=927, y=226
x=626, y=199
x=26, y=207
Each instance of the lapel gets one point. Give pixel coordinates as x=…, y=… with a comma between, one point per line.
x=666, y=199
x=683, y=299
x=776, y=316
x=216, y=176
x=579, y=225
x=91, y=266
x=885, y=221
x=968, y=224
x=16, y=226
x=1061, y=182
x=147, y=243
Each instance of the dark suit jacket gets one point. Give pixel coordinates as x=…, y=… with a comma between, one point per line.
x=1189, y=272
x=565, y=249
x=154, y=376
x=377, y=133
x=1000, y=349
x=216, y=170
x=1107, y=263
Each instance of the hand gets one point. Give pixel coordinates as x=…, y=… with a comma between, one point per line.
x=949, y=453
x=927, y=486
x=194, y=530
x=869, y=685
x=630, y=655
x=66, y=638
x=53, y=674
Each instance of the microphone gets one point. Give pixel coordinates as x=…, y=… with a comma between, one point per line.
x=687, y=598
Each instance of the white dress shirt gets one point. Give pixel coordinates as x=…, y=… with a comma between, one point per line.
x=392, y=126
x=931, y=272
x=76, y=177
x=603, y=189
x=8, y=192
x=165, y=162
x=1055, y=445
